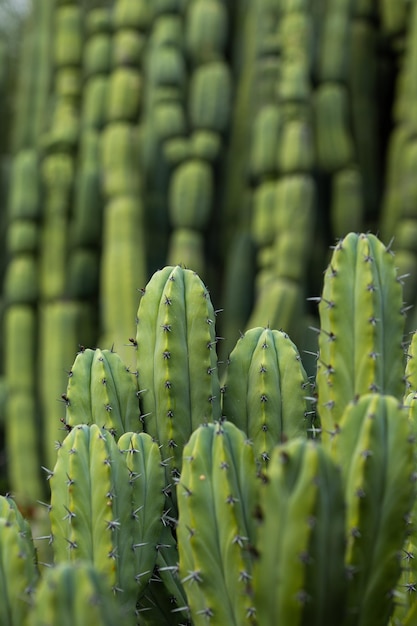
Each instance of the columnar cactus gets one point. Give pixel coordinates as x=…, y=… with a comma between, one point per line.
x=374, y=448
x=91, y=514
x=74, y=594
x=176, y=361
x=101, y=390
x=362, y=325
x=299, y=576
x=19, y=572
x=217, y=502
x=266, y=389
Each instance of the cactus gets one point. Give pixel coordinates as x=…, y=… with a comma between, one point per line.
x=90, y=512
x=362, y=324
x=74, y=594
x=375, y=451
x=216, y=501
x=147, y=480
x=101, y=390
x=176, y=361
x=265, y=390
x=18, y=565
x=299, y=575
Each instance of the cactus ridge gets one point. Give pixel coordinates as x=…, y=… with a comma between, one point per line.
x=75, y=593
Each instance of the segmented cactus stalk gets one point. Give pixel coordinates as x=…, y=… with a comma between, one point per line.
x=176, y=361
x=299, y=577
x=101, y=390
x=374, y=448
x=217, y=500
x=362, y=325
x=75, y=593
x=18, y=565
x=91, y=513
x=266, y=389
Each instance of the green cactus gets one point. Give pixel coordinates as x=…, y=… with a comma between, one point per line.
x=90, y=512
x=176, y=361
x=299, y=575
x=375, y=450
x=19, y=572
x=101, y=390
x=147, y=480
x=266, y=389
x=76, y=594
x=362, y=325
x=216, y=501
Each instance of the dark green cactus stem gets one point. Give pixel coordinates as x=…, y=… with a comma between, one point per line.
x=217, y=498
x=374, y=448
x=91, y=513
x=18, y=565
x=176, y=361
x=75, y=593
x=362, y=325
x=266, y=390
x=299, y=577
x=101, y=390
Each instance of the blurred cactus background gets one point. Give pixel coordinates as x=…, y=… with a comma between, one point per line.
x=240, y=138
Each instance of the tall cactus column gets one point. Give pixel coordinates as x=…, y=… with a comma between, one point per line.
x=282, y=160
x=21, y=282
x=61, y=316
x=193, y=182
x=123, y=264
x=20, y=329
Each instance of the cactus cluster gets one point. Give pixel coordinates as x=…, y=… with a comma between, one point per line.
x=226, y=137
x=269, y=498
